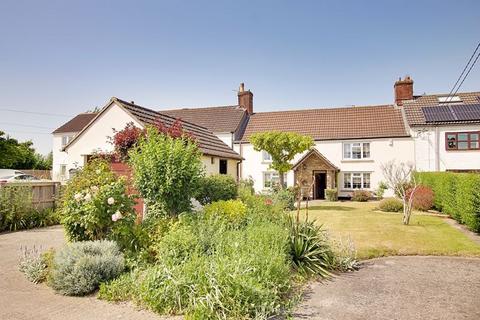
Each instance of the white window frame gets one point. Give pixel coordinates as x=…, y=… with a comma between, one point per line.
x=347, y=147
x=266, y=157
x=66, y=140
x=274, y=178
x=362, y=175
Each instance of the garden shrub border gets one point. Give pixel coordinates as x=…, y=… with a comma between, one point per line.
x=456, y=194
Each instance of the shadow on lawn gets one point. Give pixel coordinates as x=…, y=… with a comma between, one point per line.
x=330, y=208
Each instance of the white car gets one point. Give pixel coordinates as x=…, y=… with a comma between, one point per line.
x=7, y=175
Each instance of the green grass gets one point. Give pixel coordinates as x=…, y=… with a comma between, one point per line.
x=377, y=234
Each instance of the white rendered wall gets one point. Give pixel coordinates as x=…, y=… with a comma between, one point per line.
x=214, y=168
x=381, y=151
x=430, y=145
x=227, y=138
x=95, y=138
x=59, y=157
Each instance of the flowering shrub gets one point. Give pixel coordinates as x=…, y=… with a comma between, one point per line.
x=96, y=206
x=175, y=130
x=232, y=210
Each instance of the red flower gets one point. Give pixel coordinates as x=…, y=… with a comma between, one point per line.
x=268, y=201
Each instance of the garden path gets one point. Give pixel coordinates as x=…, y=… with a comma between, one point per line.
x=23, y=300
x=412, y=287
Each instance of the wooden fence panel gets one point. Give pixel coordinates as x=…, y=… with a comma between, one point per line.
x=44, y=193
x=40, y=174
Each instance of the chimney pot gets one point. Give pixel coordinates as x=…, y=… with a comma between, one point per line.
x=245, y=99
x=403, y=90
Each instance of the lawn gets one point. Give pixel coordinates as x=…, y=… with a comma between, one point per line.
x=376, y=233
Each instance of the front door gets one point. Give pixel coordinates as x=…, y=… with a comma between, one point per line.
x=320, y=185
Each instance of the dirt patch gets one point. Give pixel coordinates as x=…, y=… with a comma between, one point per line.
x=399, y=288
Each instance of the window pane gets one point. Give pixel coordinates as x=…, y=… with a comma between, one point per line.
x=366, y=150
x=357, y=181
x=356, y=151
x=346, y=181
x=462, y=145
x=451, y=141
x=462, y=136
x=473, y=136
x=366, y=180
x=347, y=154
x=267, y=183
x=474, y=145
x=266, y=156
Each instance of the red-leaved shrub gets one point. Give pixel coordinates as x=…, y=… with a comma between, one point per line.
x=126, y=138
x=422, y=198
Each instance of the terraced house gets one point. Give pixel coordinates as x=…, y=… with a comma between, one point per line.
x=435, y=132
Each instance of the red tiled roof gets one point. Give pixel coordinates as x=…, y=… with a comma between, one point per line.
x=332, y=124
x=413, y=108
x=77, y=123
x=209, y=143
x=216, y=119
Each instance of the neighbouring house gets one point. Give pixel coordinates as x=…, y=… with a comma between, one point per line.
x=217, y=157
x=61, y=137
x=351, y=143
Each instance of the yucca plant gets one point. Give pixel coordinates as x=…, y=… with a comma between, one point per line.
x=310, y=249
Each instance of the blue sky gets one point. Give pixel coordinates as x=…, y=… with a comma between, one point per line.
x=65, y=57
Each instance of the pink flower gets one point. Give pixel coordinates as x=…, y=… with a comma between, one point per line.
x=116, y=216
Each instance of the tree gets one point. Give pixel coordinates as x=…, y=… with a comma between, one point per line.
x=20, y=155
x=282, y=147
x=166, y=170
x=400, y=178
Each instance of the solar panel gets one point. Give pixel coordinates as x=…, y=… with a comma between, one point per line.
x=438, y=114
x=467, y=112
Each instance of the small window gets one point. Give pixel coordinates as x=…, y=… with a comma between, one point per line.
x=357, y=181
x=266, y=157
x=223, y=166
x=462, y=140
x=271, y=179
x=66, y=140
x=366, y=180
x=347, y=180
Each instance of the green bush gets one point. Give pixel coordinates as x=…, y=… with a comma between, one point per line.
x=245, y=188
x=207, y=270
x=79, y=268
x=361, y=195
x=167, y=170
x=382, y=187
x=33, y=265
x=233, y=211
x=216, y=187
x=391, y=205
x=96, y=206
x=310, y=250
x=17, y=211
x=284, y=197
x=331, y=194
x=456, y=194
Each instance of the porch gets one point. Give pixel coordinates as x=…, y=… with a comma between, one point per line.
x=315, y=173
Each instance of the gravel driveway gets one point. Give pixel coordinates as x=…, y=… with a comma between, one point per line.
x=23, y=300
x=399, y=288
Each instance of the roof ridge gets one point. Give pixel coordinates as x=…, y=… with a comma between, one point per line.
x=157, y=112
x=201, y=107
x=327, y=108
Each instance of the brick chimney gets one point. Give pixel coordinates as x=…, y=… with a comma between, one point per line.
x=403, y=90
x=245, y=98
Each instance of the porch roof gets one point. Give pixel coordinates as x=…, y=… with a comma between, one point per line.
x=315, y=152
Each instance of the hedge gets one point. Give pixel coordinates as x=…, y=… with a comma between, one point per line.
x=456, y=194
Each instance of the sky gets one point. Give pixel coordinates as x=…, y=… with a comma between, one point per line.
x=66, y=57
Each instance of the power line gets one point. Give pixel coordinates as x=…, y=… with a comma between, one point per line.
x=27, y=132
x=466, y=75
x=24, y=125
x=450, y=96
x=38, y=113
